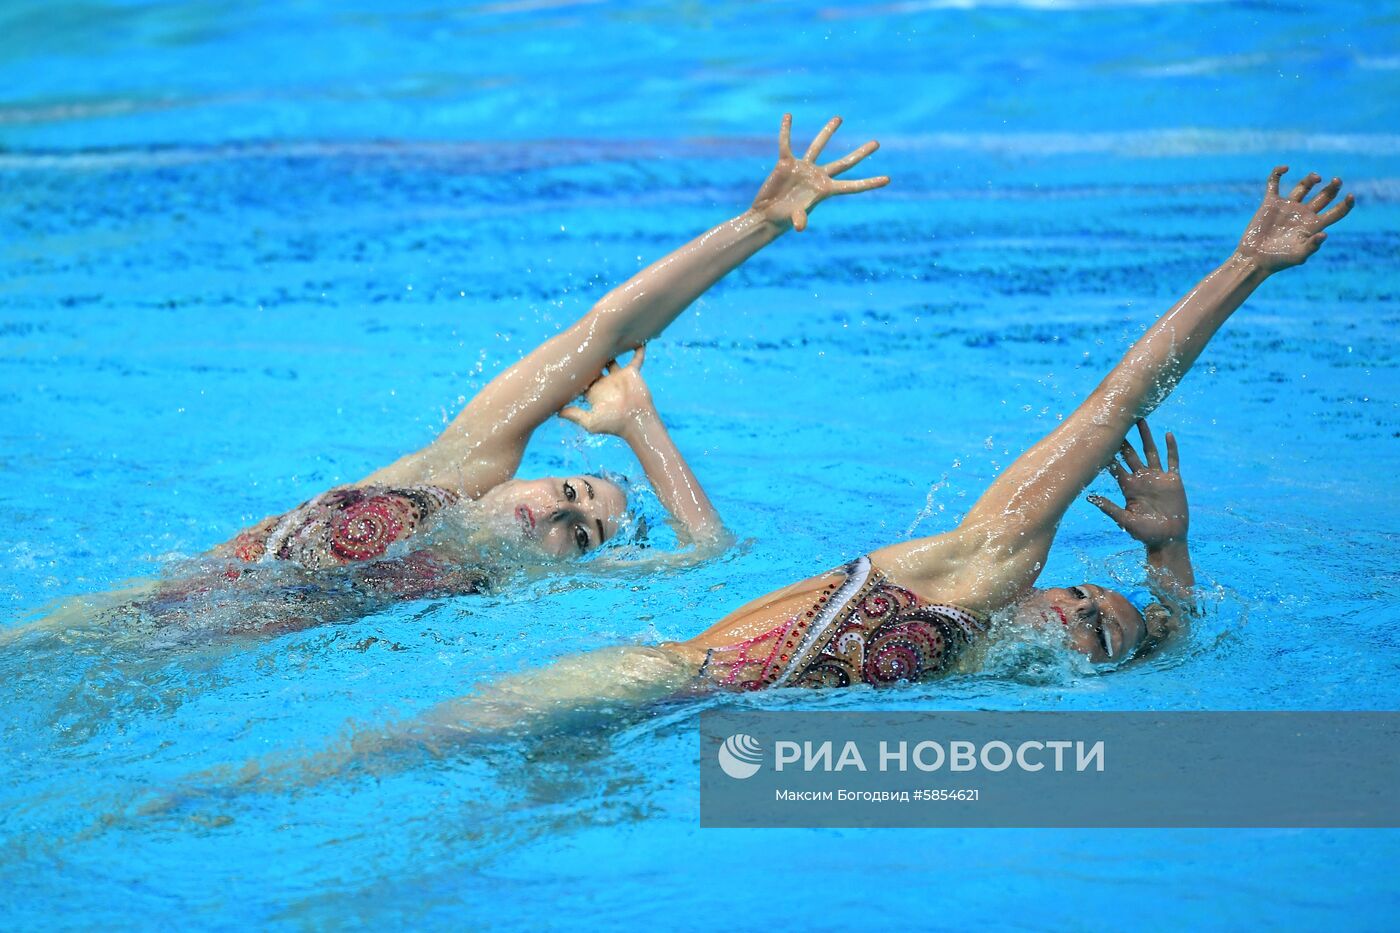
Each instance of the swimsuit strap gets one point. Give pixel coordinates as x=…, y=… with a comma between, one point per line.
x=765, y=659
x=828, y=607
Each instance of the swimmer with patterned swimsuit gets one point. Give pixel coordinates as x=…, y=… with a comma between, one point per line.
x=342, y=540
x=471, y=468
x=919, y=609
x=341, y=526
x=861, y=628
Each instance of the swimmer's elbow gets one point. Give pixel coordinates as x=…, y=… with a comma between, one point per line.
x=698, y=547
x=711, y=541
x=608, y=322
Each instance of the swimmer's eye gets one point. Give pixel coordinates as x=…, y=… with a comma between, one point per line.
x=569, y=492
x=581, y=538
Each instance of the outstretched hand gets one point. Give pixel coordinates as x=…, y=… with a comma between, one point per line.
x=615, y=400
x=1284, y=232
x=1155, y=511
x=798, y=185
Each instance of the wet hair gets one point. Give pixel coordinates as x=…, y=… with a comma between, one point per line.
x=633, y=529
x=1159, y=625
x=620, y=480
x=1155, y=630
x=632, y=525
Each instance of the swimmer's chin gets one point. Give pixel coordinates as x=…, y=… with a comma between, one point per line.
x=510, y=544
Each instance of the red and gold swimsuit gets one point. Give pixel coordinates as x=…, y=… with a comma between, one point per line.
x=341, y=526
x=861, y=628
x=344, y=537
x=345, y=534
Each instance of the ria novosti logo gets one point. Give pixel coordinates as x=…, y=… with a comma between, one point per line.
x=741, y=756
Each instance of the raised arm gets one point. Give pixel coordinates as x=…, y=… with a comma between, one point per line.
x=1012, y=525
x=484, y=444
x=1032, y=495
x=620, y=404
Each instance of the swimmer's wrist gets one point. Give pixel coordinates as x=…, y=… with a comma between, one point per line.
x=1247, y=264
x=1169, y=548
x=639, y=424
x=771, y=226
x=1170, y=572
x=1171, y=555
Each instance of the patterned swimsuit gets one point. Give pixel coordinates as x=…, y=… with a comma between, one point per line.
x=342, y=537
x=341, y=526
x=860, y=628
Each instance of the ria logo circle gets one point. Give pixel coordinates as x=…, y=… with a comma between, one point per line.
x=741, y=756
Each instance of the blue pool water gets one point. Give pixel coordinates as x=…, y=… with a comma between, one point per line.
x=249, y=253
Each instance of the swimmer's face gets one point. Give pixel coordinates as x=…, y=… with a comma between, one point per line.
x=1096, y=622
x=564, y=516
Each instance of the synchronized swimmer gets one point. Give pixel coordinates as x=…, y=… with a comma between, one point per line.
x=451, y=518
x=919, y=609
x=907, y=612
